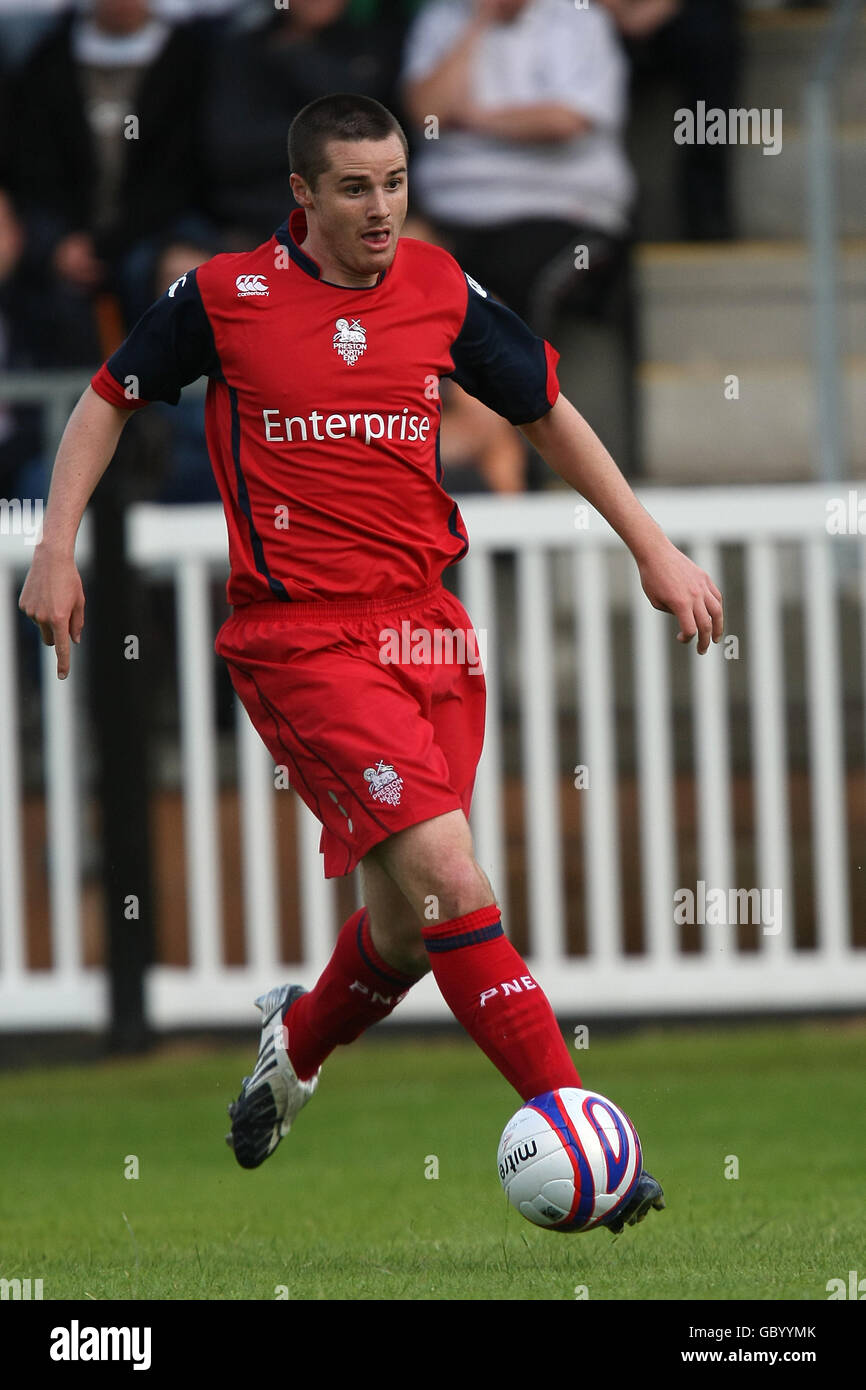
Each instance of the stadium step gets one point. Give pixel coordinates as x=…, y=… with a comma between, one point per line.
x=770, y=191
x=744, y=310
x=729, y=302
x=693, y=434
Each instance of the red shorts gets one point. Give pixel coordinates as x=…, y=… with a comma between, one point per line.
x=374, y=708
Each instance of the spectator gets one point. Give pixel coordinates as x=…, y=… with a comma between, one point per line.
x=105, y=154
x=697, y=43
x=37, y=329
x=22, y=24
x=19, y=426
x=262, y=77
x=519, y=107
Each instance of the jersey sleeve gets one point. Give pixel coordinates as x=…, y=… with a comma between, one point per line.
x=498, y=359
x=171, y=345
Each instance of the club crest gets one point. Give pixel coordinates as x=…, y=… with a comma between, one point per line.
x=385, y=784
x=350, y=340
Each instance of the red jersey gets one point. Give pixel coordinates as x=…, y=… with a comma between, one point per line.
x=322, y=411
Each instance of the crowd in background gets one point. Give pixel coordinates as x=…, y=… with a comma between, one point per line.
x=140, y=137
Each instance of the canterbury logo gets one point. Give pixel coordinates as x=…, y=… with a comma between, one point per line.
x=251, y=284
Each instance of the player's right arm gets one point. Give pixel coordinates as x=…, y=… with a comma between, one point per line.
x=170, y=346
x=53, y=596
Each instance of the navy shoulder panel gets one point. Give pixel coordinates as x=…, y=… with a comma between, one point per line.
x=171, y=345
x=500, y=360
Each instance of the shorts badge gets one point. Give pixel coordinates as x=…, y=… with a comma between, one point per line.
x=385, y=784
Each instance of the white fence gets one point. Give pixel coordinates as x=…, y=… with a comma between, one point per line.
x=788, y=554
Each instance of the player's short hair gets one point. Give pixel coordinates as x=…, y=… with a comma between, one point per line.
x=343, y=116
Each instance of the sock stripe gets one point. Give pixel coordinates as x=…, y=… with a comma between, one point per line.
x=490, y=991
x=455, y=942
x=392, y=977
x=470, y=921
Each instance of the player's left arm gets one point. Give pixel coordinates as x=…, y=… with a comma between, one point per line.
x=671, y=581
x=499, y=360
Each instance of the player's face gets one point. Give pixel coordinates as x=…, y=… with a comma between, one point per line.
x=357, y=210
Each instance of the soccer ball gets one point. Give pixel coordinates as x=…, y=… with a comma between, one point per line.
x=569, y=1159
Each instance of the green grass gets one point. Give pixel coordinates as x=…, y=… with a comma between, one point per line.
x=343, y=1210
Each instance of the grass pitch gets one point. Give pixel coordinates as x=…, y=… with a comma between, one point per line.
x=349, y=1207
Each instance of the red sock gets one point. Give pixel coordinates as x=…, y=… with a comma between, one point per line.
x=488, y=988
x=355, y=989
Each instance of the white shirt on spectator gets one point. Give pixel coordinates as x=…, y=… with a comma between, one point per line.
x=551, y=52
x=162, y=9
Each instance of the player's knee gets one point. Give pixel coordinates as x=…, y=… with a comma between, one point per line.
x=456, y=887
x=435, y=868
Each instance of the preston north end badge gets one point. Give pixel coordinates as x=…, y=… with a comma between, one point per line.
x=350, y=340
x=385, y=784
